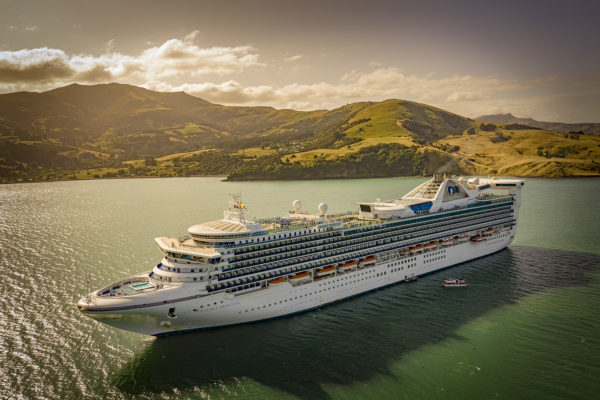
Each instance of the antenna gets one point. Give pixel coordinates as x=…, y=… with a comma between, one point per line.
x=236, y=209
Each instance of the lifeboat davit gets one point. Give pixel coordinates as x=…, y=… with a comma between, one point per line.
x=462, y=238
x=276, y=281
x=454, y=282
x=446, y=241
x=326, y=271
x=301, y=276
x=416, y=248
x=367, y=260
x=346, y=265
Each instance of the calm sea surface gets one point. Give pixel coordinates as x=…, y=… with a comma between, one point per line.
x=528, y=326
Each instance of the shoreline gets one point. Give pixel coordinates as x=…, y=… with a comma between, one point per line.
x=225, y=178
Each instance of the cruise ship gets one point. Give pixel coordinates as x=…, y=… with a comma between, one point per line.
x=236, y=270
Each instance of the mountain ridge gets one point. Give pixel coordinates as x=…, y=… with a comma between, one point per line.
x=86, y=131
x=588, y=128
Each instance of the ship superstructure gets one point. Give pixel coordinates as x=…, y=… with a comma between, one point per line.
x=237, y=270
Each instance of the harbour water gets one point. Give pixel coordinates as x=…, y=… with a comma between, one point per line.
x=525, y=328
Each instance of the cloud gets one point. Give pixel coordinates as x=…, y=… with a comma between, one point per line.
x=466, y=96
x=98, y=73
x=37, y=65
x=180, y=64
x=175, y=58
x=463, y=94
x=293, y=58
x=26, y=28
x=378, y=84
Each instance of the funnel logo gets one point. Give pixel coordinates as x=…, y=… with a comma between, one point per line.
x=453, y=190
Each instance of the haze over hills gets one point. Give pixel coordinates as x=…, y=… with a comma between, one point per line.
x=116, y=130
x=590, y=128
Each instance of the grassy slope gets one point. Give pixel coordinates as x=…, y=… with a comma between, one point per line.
x=404, y=118
x=479, y=154
x=123, y=122
x=306, y=157
x=391, y=121
x=519, y=155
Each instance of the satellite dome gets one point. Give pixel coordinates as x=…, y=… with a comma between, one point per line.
x=297, y=204
x=323, y=208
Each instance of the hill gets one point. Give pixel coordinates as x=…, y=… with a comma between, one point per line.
x=560, y=127
x=121, y=130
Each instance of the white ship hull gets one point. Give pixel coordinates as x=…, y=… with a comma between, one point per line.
x=225, y=309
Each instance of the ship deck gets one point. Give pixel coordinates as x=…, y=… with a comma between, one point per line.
x=292, y=222
x=349, y=219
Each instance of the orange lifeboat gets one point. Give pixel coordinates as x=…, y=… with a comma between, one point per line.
x=301, y=276
x=367, y=260
x=488, y=231
x=430, y=245
x=346, y=265
x=416, y=248
x=326, y=270
x=276, y=281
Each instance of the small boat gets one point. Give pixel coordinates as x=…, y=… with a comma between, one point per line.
x=276, y=281
x=416, y=248
x=454, y=282
x=326, y=271
x=462, y=238
x=300, y=276
x=404, y=251
x=411, y=278
x=430, y=245
x=446, y=241
x=488, y=231
x=477, y=238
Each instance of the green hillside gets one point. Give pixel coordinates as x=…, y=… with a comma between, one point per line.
x=405, y=118
x=527, y=152
x=122, y=130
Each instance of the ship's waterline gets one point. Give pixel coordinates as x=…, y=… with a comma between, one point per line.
x=237, y=271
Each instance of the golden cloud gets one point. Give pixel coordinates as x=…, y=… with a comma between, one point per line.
x=174, y=58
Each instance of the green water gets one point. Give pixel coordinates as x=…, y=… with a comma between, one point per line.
x=527, y=326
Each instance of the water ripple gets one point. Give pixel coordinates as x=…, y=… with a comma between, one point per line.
x=54, y=235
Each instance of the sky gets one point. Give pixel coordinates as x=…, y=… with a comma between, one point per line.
x=538, y=59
